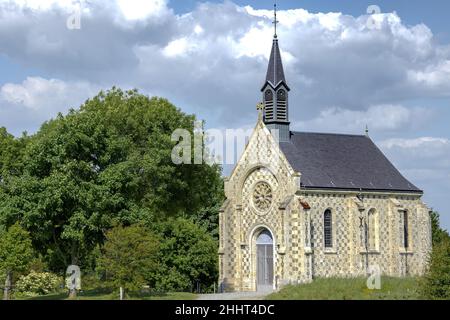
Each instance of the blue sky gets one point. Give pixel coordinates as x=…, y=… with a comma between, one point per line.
x=210, y=58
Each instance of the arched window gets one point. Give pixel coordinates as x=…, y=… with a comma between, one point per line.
x=281, y=96
x=264, y=238
x=372, y=240
x=268, y=101
x=264, y=256
x=405, y=229
x=281, y=105
x=328, y=229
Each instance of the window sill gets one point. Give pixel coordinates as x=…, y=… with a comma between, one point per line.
x=330, y=251
x=405, y=251
x=372, y=252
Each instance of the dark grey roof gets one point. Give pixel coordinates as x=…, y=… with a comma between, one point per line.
x=342, y=162
x=275, y=72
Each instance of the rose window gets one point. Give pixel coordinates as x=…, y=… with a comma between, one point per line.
x=262, y=196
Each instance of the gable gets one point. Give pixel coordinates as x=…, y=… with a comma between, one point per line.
x=262, y=151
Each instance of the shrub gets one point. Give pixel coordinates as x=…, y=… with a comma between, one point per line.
x=436, y=283
x=38, y=283
x=129, y=253
x=187, y=255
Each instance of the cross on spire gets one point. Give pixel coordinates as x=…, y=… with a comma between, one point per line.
x=275, y=21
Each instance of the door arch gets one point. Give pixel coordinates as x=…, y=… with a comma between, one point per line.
x=264, y=260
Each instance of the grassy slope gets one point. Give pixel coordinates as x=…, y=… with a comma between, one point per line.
x=350, y=289
x=101, y=295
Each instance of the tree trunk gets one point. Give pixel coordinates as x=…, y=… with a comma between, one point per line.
x=72, y=293
x=121, y=294
x=7, y=289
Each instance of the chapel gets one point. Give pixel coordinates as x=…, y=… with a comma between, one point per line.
x=304, y=205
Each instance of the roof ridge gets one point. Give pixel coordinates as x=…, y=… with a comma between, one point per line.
x=330, y=134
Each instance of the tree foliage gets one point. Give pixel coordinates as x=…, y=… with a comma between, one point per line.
x=438, y=234
x=16, y=250
x=188, y=254
x=128, y=256
x=16, y=255
x=436, y=283
x=12, y=152
x=37, y=283
x=108, y=162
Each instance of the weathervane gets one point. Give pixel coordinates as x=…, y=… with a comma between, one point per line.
x=275, y=21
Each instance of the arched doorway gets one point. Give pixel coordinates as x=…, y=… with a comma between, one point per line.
x=264, y=258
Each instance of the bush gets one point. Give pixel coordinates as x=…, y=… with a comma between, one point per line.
x=187, y=256
x=128, y=254
x=38, y=283
x=436, y=283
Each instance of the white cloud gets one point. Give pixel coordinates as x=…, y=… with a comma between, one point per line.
x=46, y=94
x=25, y=106
x=330, y=59
x=378, y=118
x=198, y=30
x=141, y=9
x=40, y=5
x=432, y=76
x=426, y=162
x=434, y=148
x=213, y=60
x=416, y=143
x=179, y=47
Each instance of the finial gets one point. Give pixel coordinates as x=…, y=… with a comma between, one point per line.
x=275, y=21
x=260, y=108
x=367, y=130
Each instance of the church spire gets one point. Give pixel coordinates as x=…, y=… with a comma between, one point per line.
x=275, y=72
x=275, y=91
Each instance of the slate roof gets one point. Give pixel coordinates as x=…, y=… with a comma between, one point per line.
x=337, y=161
x=275, y=72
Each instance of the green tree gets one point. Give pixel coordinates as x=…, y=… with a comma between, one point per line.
x=438, y=234
x=12, y=151
x=188, y=254
x=108, y=162
x=16, y=255
x=128, y=255
x=436, y=283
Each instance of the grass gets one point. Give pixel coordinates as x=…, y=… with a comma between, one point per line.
x=108, y=295
x=350, y=289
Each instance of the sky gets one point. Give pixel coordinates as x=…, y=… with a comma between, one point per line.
x=347, y=67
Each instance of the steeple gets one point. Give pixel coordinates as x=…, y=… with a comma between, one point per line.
x=275, y=72
x=275, y=91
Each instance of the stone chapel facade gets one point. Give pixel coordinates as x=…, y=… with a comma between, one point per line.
x=307, y=205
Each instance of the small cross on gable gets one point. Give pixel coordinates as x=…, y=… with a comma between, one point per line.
x=260, y=107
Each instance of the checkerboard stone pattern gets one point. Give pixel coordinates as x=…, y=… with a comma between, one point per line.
x=298, y=231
